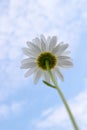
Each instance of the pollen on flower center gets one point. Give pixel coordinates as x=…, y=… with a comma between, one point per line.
x=46, y=56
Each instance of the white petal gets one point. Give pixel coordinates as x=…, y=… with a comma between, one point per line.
x=55, y=49
x=61, y=43
x=43, y=38
x=60, y=75
x=43, y=46
x=30, y=53
x=62, y=48
x=48, y=39
x=66, y=53
x=38, y=74
x=28, y=65
x=63, y=57
x=48, y=42
x=27, y=60
x=30, y=72
x=46, y=77
x=27, y=52
x=65, y=63
x=37, y=42
x=52, y=43
x=34, y=47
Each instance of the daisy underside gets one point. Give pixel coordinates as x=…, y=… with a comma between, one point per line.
x=41, y=50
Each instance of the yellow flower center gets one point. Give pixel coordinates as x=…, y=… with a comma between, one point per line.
x=46, y=56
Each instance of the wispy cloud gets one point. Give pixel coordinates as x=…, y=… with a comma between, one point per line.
x=8, y=110
x=58, y=117
x=23, y=20
x=21, y=24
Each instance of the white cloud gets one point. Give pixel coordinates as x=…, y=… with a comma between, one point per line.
x=25, y=19
x=7, y=110
x=49, y=17
x=59, y=117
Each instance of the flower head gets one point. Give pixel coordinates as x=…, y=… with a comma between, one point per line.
x=41, y=50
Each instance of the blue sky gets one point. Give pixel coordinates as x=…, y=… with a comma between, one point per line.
x=24, y=105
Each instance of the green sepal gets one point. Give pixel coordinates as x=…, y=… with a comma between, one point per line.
x=48, y=84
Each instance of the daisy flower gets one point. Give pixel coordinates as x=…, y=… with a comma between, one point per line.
x=41, y=50
x=45, y=59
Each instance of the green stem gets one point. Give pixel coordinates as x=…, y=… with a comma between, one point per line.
x=62, y=97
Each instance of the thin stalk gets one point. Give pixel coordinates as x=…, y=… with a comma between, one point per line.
x=62, y=97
